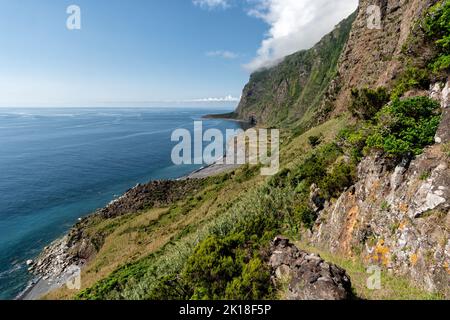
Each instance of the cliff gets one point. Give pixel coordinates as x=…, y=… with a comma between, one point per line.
x=397, y=216
x=293, y=90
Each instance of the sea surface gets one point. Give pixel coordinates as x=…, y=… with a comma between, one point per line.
x=57, y=165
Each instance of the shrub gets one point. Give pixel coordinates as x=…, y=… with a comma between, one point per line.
x=405, y=127
x=306, y=216
x=411, y=78
x=314, y=141
x=342, y=176
x=252, y=284
x=367, y=102
x=437, y=27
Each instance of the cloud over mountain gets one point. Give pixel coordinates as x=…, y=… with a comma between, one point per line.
x=295, y=25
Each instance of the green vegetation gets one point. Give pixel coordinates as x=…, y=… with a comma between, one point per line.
x=437, y=28
x=314, y=141
x=290, y=93
x=405, y=127
x=367, y=102
x=392, y=287
x=411, y=78
x=400, y=129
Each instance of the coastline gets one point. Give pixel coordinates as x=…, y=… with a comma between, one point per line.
x=52, y=266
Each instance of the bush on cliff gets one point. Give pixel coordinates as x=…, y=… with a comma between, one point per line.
x=437, y=28
x=367, y=102
x=405, y=127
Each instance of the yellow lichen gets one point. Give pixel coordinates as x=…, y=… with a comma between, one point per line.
x=446, y=267
x=403, y=207
x=381, y=254
x=413, y=259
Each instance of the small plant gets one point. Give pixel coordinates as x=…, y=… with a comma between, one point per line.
x=385, y=206
x=446, y=149
x=425, y=175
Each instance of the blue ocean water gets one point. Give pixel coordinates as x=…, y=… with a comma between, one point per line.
x=57, y=165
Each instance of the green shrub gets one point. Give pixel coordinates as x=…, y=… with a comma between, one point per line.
x=367, y=102
x=342, y=176
x=306, y=216
x=252, y=284
x=411, y=78
x=405, y=127
x=437, y=27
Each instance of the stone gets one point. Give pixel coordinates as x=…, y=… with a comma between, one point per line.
x=309, y=277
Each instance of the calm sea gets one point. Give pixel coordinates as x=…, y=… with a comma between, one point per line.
x=57, y=165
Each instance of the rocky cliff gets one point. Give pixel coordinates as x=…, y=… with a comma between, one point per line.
x=397, y=216
x=375, y=57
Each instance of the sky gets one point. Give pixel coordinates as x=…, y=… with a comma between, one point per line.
x=138, y=51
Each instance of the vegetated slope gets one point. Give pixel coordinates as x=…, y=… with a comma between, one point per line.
x=284, y=94
x=367, y=187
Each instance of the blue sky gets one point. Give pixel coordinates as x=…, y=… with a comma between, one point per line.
x=131, y=51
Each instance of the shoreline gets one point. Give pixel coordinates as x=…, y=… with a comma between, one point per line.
x=42, y=284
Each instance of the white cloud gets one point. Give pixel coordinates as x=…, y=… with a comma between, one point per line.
x=228, y=98
x=295, y=25
x=212, y=4
x=222, y=54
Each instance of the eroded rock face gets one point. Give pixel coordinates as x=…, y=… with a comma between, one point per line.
x=441, y=92
x=370, y=58
x=308, y=276
x=398, y=216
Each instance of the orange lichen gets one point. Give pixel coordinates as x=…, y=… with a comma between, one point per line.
x=403, y=207
x=413, y=259
x=381, y=254
x=446, y=267
x=347, y=234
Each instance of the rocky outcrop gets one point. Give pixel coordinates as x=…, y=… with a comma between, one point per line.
x=307, y=276
x=441, y=91
x=153, y=194
x=397, y=216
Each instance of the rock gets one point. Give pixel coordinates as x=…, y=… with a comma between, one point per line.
x=308, y=276
x=396, y=217
x=315, y=198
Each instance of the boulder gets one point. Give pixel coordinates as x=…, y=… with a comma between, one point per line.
x=308, y=276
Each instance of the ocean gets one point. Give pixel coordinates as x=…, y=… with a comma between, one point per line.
x=57, y=165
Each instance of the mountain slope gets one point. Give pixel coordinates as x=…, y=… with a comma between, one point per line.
x=295, y=87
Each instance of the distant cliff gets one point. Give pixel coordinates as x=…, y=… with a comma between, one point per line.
x=292, y=91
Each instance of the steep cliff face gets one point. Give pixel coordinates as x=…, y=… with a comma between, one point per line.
x=293, y=89
x=309, y=84
x=397, y=217
x=373, y=57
